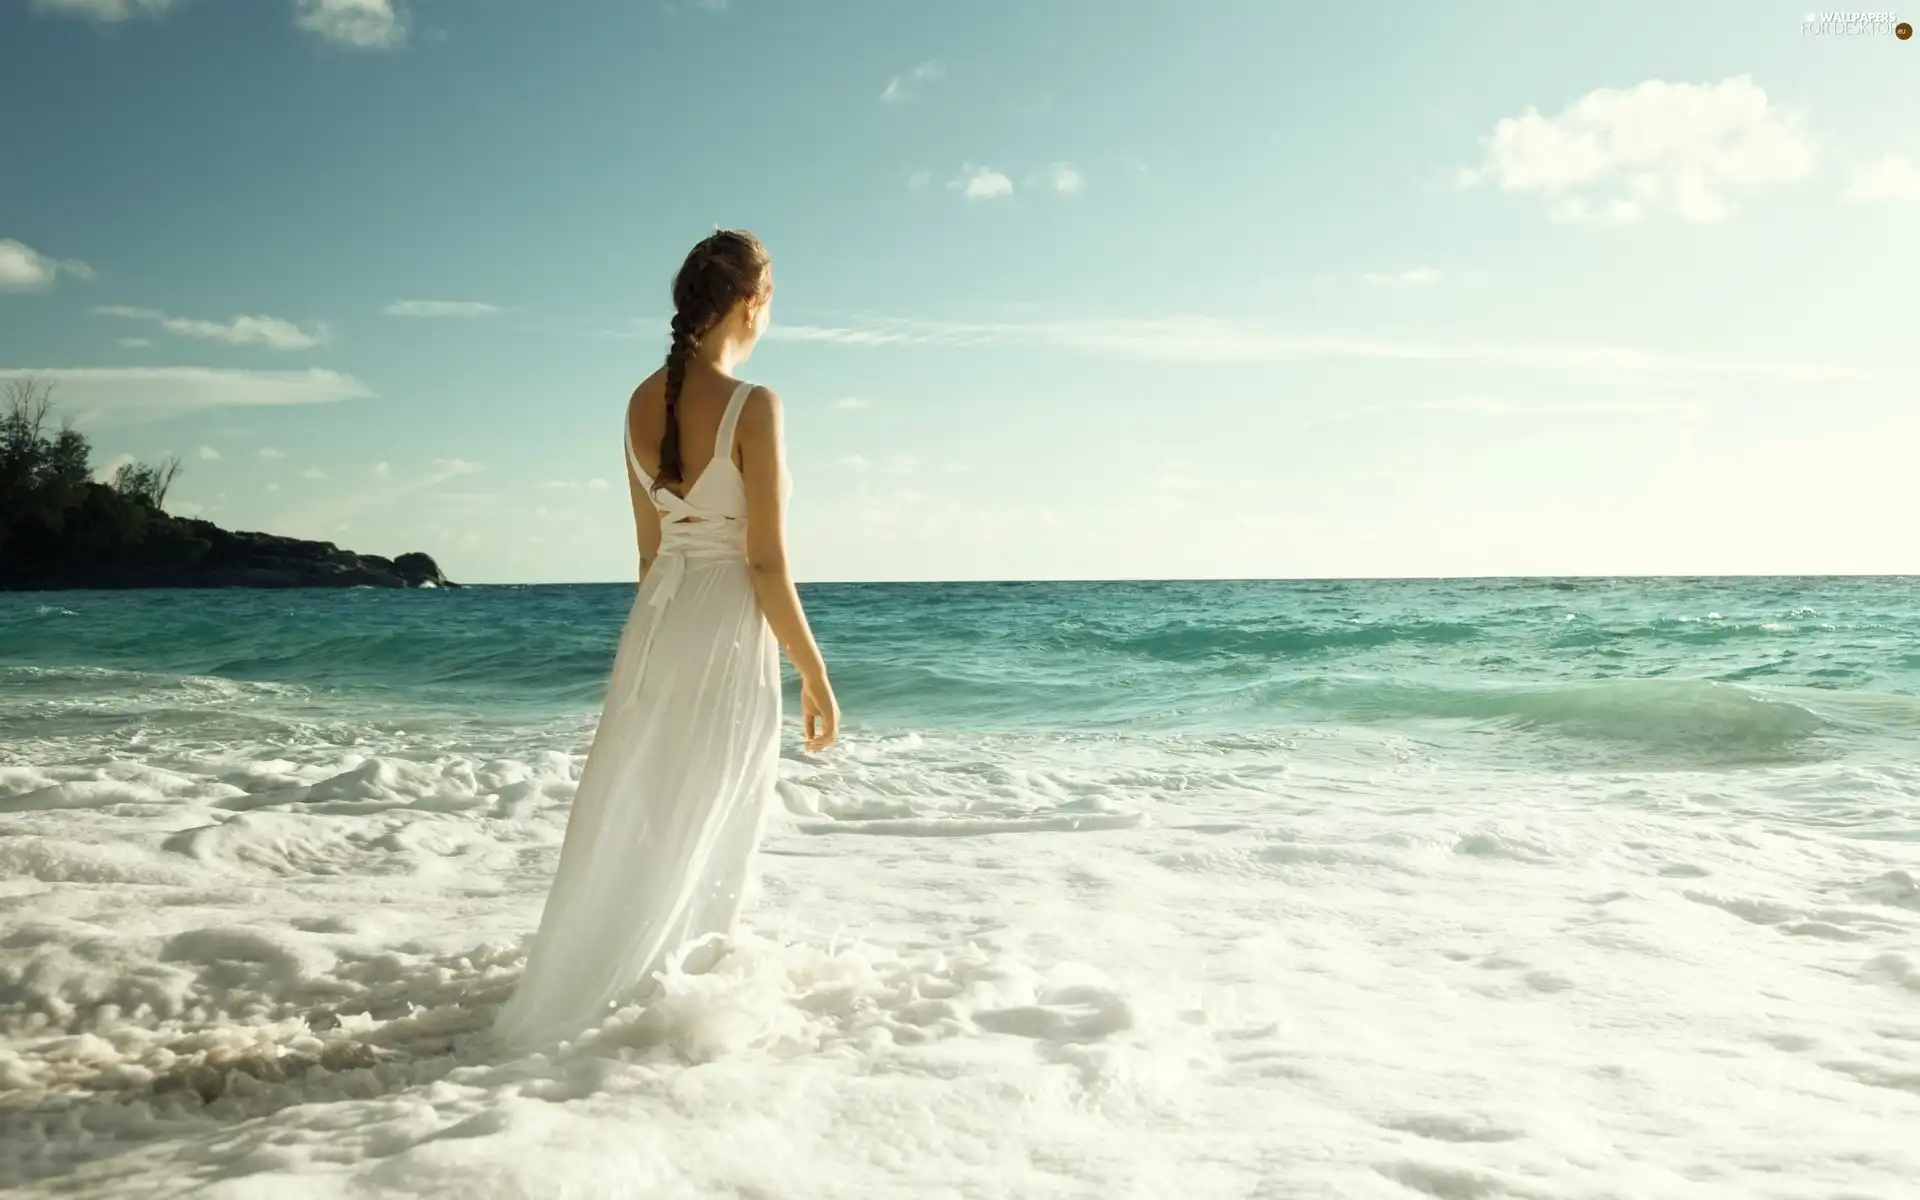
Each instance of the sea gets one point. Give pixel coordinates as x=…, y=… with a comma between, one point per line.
x=1547, y=888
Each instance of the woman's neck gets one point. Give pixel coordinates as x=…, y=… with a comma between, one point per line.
x=723, y=354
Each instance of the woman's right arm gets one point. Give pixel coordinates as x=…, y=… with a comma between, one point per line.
x=763, y=467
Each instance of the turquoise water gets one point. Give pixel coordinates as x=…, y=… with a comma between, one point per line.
x=1500, y=887
x=1728, y=668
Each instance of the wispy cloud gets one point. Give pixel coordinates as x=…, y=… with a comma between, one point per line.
x=983, y=183
x=136, y=343
x=910, y=84
x=326, y=508
x=1199, y=339
x=380, y=470
x=848, y=403
x=1615, y=156
x=919, y=180
x=24, y=269
x=1890, y=177
x=103, y=12
x=1495, y=407
x=125, y=394
x=209, y=453
x=270, y=452
x=314, y=473
x=442, y=308
x=576, y=485
x=1416, y=277
x=271, y=332
x=1066, y=179
x=359, y=24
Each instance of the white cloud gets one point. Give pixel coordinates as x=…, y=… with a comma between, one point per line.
x=1199, y=339
x=273, y=487
x=313, y=473
x=1066, y=179
x=103, y=12
x=852, y=402
x=1417, y=277
x=270, y=452
x=447, y=467
x=362, y=24
x=442, y=308
x=105, y=471
x=855, y=462
x=908, y=86
x=136, y=343
x=1890, y=177
x=380, y=470
x=901, y=464
x=1619, y=155
x=983, y=183
x=919, y=180
x=209, y=453
x=271, y=332
x=574, y=485
x=1493, y=407
x=24, y=269
x=127, y=394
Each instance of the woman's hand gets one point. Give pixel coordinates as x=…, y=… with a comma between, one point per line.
x=819, y=712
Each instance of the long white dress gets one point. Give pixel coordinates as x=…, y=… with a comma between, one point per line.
x=677, y=786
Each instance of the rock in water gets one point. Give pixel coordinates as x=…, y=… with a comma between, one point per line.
x=419, y=570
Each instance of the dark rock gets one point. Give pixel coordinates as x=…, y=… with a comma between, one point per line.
x=184, y=553
x=419, y=570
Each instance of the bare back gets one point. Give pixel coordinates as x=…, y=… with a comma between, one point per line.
x=703, y=402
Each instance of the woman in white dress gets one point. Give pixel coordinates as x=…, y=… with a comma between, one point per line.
x=676, y=788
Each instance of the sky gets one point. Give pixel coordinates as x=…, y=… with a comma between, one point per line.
x=1066, y=288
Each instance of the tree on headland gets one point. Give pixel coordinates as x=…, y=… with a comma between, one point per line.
x=146, y=484
x=52, y=513
x=57, y=468
x=59, y=527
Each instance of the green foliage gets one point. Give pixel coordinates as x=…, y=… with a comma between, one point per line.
x=143, y=484
x=53, y=518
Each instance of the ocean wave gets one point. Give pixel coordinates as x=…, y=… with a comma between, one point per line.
x=1656, y=714
x=1186, y=641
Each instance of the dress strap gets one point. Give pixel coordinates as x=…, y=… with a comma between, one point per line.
x=730, y=423
x=633, y=460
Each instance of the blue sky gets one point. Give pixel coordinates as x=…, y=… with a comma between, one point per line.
x=1069, y=289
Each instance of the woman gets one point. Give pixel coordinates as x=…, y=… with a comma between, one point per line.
x=677, y=786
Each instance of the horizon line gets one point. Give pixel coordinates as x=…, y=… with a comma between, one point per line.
x=1489, y=578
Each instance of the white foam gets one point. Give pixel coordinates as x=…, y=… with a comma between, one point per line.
x=1324, y=963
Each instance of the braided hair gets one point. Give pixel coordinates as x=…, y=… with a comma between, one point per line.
x=726, y=268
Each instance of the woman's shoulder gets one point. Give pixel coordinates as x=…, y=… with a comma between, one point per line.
x=761, y=409
x=653, y=385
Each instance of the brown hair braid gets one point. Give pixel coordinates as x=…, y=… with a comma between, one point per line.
x=726, y=268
